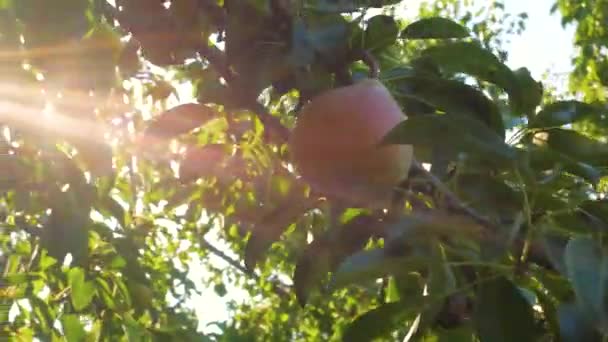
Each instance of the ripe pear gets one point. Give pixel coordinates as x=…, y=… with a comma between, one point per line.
x=334, y=144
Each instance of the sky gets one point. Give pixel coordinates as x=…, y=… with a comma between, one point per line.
x=544, y=47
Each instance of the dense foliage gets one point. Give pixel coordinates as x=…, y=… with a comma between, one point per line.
x=590, y=75
x=113, y=188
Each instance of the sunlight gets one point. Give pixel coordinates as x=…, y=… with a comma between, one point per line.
x=28, y=118
x=41, y=110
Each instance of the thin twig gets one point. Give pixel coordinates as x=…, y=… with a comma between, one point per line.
x=278, y=288
x=232, y=262
x=371, y=62
x=217, y=60
x=535, y=254
x=453, y=200
x=276, y=132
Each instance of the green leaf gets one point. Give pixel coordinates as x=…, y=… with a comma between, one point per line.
x=271, y=227
x=367, y=266
x=178, y=120
x=203, y=162
x=67, y=230
x=94, y=156
x=527, y=95
x=479, y=62
x=575, y=221
x=554, y=247
x=452, y=134
x=302, y=53
x=434, y=28
x=543, y=158
x=311, y=267
x=253, y=50
x=561, y=113
x=325, y=253
x=333, y=6
x=441, y=282
x=105, y=293
x=312, y=81
x=597, y=208
x=488, y=194
x=111, y=206
x=135, y=331
x=460, y=334
x=328, y=36
x=453, y=97
x=72, y=328
x=20, y=278
x=4, y=4
x=418, y=229
x=392, y=291
x=549, y=309
x=578, y=147
x=23, y=334
x=573, y=326
x=381, y=31
x=43, y=312
x=82, y=292
x=49, y=23
x=587, y=270
x=502, y=313
x=380, y=321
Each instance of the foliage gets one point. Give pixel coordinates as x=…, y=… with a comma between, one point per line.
x=590, y=75
x=113, y=188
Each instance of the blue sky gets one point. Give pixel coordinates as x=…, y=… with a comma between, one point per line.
x=545, y=45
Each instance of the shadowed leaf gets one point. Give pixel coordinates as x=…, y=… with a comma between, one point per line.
x=479, y=62
x=452, y=134
x=434, y=28
x=502, y=313
x=205, y=161
x=587, y=270
x=178, y=120
x=561, y=113
x=380, y=321
x=269, y=229
x=453, y=97
x=381, y=31
x=328, y=251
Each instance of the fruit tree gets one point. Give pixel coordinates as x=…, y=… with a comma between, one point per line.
x=335, y=169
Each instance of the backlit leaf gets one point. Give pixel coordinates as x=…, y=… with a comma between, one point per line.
x=82, y=291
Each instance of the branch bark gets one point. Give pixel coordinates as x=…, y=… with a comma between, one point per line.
x=536, y=252
x=278, y=288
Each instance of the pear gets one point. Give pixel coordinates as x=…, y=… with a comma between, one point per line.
x=335, y=144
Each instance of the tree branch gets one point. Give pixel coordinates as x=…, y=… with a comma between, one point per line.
x=275, y=130
x=278, y=288
x=536, y=255
x=217, y=60
x=452, y=200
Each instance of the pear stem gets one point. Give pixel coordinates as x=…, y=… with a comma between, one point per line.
x=372, y=63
